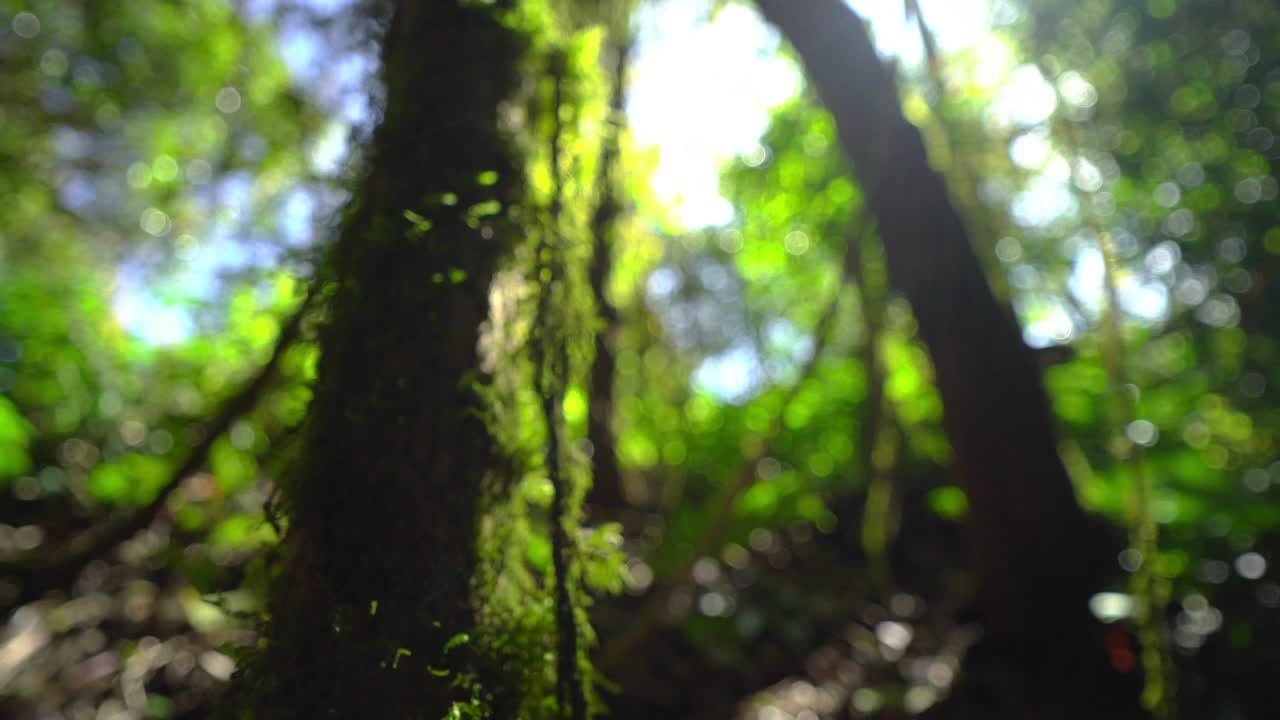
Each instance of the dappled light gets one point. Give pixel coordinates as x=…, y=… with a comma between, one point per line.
x=750, y=359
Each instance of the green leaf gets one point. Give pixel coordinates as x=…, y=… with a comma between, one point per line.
x=457, y=641
x=233, y=468
x=15, y=434
x=538, y=552
x=948, y=501
x=134, y=479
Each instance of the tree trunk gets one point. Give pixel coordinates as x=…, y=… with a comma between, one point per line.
x=383, y=505
x=1029, y=537
x=605, y=497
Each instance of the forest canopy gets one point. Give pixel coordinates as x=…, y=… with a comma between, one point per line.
x=777, y=359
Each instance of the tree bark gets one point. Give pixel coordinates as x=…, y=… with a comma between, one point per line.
x=606, y=497
x=383, y=506
x=1029, y=537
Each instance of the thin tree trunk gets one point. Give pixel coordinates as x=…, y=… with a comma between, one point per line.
x=367, y=613
x=606, y=497
x=1029, y=536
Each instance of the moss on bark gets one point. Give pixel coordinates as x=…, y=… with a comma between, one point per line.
x=369, y=613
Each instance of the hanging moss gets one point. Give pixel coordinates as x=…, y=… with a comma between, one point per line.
x=539, y=564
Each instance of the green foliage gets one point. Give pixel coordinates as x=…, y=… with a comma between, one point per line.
x=948, y=501
x=15, y=435
x=141, y=140
x=134, y=479
x=121, y=128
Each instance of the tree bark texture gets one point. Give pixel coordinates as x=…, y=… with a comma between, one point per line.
x=606, y=497
x=382, y=508
x=1028, y=535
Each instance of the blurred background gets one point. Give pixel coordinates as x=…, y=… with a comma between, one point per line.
x=792, y=540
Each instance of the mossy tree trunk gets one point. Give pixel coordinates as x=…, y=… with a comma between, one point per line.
x=1029, y=537
x=382, y=508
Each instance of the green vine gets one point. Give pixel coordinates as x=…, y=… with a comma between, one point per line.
x=539, y=566
x=1150, y=590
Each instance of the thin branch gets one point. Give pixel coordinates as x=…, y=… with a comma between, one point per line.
x=606, y=477
x=926, y=37
x=873, y=441
x=1150, y=590
x=570, y=695
x=43, y=570
x=744, y=476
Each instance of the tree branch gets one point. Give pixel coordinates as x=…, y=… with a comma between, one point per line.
x=1029, y=536
x=42, y=570
x=743, y=477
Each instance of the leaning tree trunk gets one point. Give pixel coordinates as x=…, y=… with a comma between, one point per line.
x=367, y=611
x=1029, y=537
